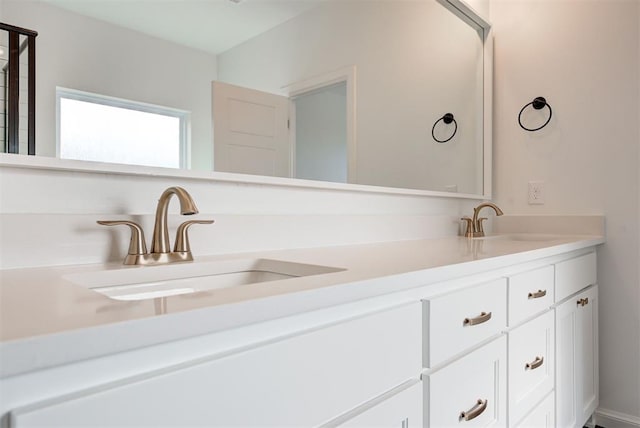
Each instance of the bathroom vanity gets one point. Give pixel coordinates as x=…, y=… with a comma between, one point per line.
x=390, y=321
x=495, y=331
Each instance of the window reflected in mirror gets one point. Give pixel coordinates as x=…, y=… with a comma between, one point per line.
x=99, y=128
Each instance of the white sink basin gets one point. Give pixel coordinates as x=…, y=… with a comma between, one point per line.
x=149, y=282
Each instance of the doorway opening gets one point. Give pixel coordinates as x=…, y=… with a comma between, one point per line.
x=323, y=127
x=321, y=134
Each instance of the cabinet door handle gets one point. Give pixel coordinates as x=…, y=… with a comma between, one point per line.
x=534, y=364
x=483, y=317
x=537, y=294
x=405, y=423
x=475, y=411
x=582, y=302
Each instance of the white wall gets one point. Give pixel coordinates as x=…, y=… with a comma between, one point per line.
x=397, y=48
x=583, y=56
x=89, y=55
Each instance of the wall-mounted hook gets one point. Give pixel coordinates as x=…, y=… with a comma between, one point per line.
x=538, y=103
x=447, y=119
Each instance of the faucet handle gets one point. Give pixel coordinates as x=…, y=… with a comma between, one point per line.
x=479, y=226
x=182, y=237
x=137, y=246
x=469, y=232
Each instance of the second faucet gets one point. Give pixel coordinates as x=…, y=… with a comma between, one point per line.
x=474, y=225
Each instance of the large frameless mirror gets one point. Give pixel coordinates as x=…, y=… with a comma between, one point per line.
x=380, y=93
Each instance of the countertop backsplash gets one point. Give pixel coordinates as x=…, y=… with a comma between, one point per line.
x=48, y=215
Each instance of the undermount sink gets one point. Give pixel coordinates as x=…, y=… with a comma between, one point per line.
x=143, y=283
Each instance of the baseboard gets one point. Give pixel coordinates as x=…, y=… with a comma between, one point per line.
x=610, y=419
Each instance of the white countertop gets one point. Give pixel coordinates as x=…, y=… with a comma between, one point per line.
x=41, y=309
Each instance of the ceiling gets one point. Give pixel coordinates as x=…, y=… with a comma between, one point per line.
x=209, y=25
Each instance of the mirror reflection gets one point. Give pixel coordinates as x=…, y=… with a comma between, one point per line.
x=343, y=91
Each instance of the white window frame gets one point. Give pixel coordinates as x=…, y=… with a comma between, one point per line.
x=183, y=115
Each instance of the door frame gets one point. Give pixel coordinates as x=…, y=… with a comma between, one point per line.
x=345, y=74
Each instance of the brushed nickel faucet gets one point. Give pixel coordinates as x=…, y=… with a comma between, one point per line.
x=474, y=225
x=160, y=245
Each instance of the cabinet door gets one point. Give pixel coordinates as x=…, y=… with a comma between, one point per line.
x=566, y=376
x=471, y=391
x=577, y=358
x=403, y=410
x=588, y=354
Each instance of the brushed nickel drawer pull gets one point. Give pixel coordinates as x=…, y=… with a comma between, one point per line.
x=483, y=317
x=534, y=364
x=475, y=411
x=582, y=302
x=537, y=294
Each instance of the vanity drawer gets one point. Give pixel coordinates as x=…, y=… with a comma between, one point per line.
x=302, y=380
x=476, y=383
x=402, y=410
x=543, y=416
x=531, y=364
x=458, y=321
x=530, y=293
x=575, y=274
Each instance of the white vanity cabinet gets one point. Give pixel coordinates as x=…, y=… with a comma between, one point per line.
x=512, y=346
x=548, y=314
x=305, y=380
x=576, y=314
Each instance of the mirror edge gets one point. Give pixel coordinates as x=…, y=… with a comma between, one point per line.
x=487, y=146
x=9, y=160
x=464, y=11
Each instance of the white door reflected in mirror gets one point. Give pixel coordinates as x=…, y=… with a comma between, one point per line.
x=250, y=130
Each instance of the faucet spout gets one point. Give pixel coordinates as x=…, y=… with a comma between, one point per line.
x=476, y=210
x=160, y=242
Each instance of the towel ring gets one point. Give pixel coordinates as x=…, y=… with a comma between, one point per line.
x=447, y=119
x=538, y=103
